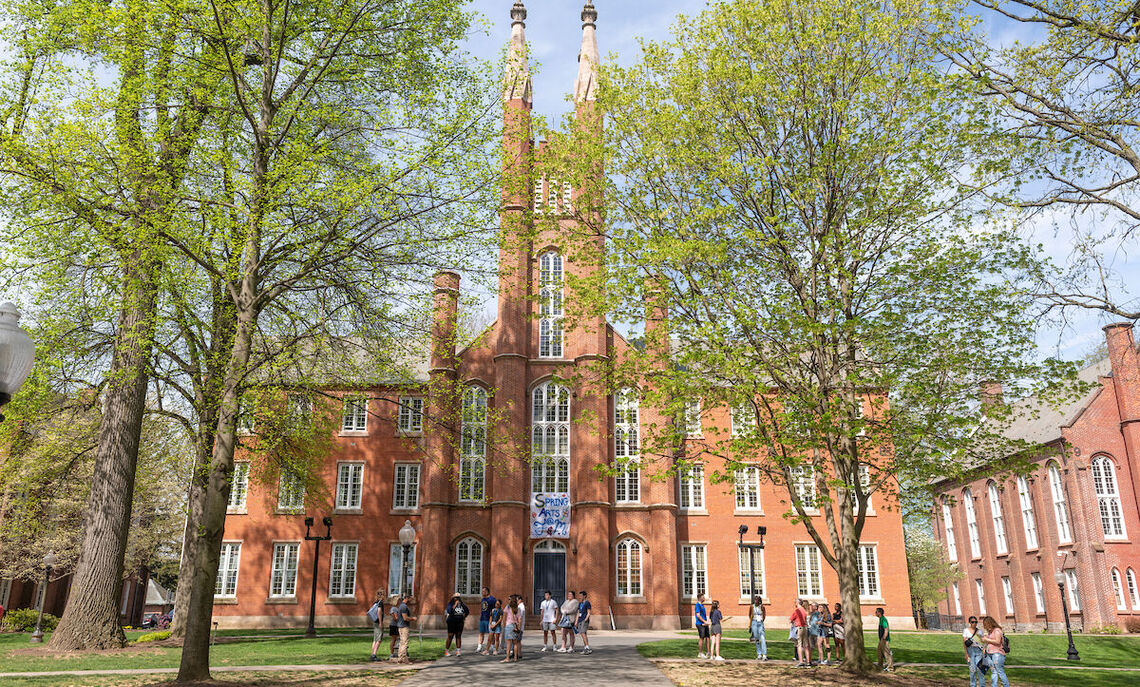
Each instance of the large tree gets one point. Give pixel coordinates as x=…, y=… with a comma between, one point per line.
x=781, y=183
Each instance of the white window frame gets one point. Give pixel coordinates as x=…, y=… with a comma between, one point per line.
x=746, y=488
x=691, y=485
x=246, y=416
x=552, y=194
x=538, y=197
x=743, y=563
x=395, y=558
x=864, y=472
x=239, y=487
x=229, y=563
x=980, y=589
x=1007, y=592
x=406, y=486
x=694, y=570
x=410, y=417
x=998, y=518
x=948, y=525
x=343, y=561
x=869, y=587
x=550, y=438
x=551, y=277
x=300, y=411
x=354, y=415
x=972, y=523
x=567, y=198
x=803, y=483
x=692, y=419
x=809, y=574
x=957, y=600
x=1060, y=507
x=627, y=447
x=629, y=562
x=283, y=574
x=290, y=493
x=1038, y=592
x=1108, y=498
x=469, y=567
x=1028, y=517
x=473, y=445
x=1133, y=588
x=1118, y=590
x=1074, y=590
x=349, y=484
x=739, y=427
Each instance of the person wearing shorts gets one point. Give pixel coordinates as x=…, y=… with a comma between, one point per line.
x=378, y=611
x=512, y=619
x=799, y=621
x=583, y=626
x=454, y=616
x=701, y=620
x=549, y=610
x=838, y=631
x=568, y=617
x=485, y=605
x=495, y=638
x=393, y=631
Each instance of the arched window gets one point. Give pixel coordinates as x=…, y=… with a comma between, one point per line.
x=627, y=454
x=1118, y=590
x=1133, y=589
x=999, y=519
x=469, y=567
x=473, y=444
x=948, y=523
x=550, y=305
x=1028, y=519
x=972, y=524
x=1108, y=496
x=629, y=567
x=1060, y=510
x=550, y=438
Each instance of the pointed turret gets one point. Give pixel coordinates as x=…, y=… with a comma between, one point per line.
x=586, y=85
x=517, y=86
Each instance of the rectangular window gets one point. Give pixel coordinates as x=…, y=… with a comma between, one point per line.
x=803, y=483
x=406, y=486
x=355, y=415
x=957, y=600
x=246, y=418
x=747, y=488
x=948, y=523
x=411, y=420
x=1038, y=592
x=239, y=486
x=290, y=493
x=552, y=195
x=864, y=484
x=300, y=411
x=342, y=571
x=225, y=586
x=981, y=590
x=693, y=419
x=1028, y=519
x=972, y=524
x=1007, y=592
x=743, y=420
x=692, y=487
x=567, y=198
x=694, y=574
x=396, y=564
x=627, y=485
x=751, y=581
x=1074, y=591
x=809, y=572
x=349, y=485
x=283, y=579
x=538, y=209
x=867, y=560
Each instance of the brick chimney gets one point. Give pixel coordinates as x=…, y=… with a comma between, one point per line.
x=1126, y=383
x=990, y=394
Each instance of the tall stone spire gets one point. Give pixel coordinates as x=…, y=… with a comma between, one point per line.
x=586, y=85
x=517, y=86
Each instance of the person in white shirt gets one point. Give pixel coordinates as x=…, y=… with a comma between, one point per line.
x=569, y=617
x=973, y=645
x=549, y=609
x=522, y=620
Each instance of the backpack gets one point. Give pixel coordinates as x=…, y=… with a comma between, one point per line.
x=374, y=613
x=1005, y=642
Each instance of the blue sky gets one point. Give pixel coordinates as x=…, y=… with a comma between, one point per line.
x=553, y=29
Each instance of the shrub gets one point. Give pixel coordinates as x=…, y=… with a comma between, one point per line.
x=24, y=620
x=1132, y=625
x=1106, y=630
x=153, y=637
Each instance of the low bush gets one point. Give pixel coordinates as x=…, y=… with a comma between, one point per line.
x=1106, y=630
x=1132, y=625
x=153, y=637
x=24, y=620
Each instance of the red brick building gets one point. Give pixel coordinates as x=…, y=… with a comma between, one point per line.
x=1075, y=513
x=642, y=548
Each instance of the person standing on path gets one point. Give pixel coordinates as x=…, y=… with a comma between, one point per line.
x=549, y=610
x=584, y=608
x=454, y=616
x=757, y=615
x=522, y=621
x=974, y=648
x=486, y=604
x=495, y=636
x=885, y=641
x=715, y=618
x=512, y=620
x=803, y=642
x=824, y=634
x=701, y=620
x=814, y=630
x=568, y=619
x=838, y=631
x=393, y=629
x=995, y=650
x=404, y=620
x=377, y=615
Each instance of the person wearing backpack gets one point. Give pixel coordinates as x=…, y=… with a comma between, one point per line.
x=973, y=646
x=375, y=613
x=997, y=646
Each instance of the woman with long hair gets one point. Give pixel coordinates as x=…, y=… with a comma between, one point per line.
x=715, y=619
x=994, y=640
x=512, y=619
x=454, y=615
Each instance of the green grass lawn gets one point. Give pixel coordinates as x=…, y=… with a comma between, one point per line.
x=347, y=649
x=1044, y=677
x=936, y=647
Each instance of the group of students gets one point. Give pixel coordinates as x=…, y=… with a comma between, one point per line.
x=400, y=619
x=985, y=651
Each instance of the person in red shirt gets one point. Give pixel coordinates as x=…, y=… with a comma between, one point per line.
x=803, y=641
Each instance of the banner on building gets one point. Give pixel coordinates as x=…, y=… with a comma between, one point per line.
x=550, y=514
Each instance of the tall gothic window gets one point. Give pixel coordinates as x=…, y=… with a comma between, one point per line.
x=972, y=524
x=1108, y=496
x=999, y=519
x=1060, y=510
x=468, y=567
x=948, y=523
x=473, y=444
x=1027, y=517
x=629, y=568
x=550, y=305
x=627, y=485
x=550, y=438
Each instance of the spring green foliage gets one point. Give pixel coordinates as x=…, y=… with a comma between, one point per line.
x=929, y=571
x=24, y=620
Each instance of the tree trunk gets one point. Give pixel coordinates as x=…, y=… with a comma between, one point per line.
x=186, y=566
x=91, y=618
x=855, y=658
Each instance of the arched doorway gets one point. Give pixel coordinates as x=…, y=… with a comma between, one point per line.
x=549, y=571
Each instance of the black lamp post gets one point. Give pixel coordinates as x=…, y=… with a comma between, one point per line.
x=327, y=521
x=38, y=636
x=761, y=530
x=1073, y=655
x=407, y=539
x=16, y=354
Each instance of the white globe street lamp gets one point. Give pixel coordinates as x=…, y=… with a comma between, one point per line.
x=407, y=539
x=16, y=353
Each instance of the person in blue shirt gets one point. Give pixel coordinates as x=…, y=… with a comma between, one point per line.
x=486, y=604
x=583, y=626
x=701, y=620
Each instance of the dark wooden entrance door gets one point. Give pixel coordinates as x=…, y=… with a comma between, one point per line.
x=549, y=574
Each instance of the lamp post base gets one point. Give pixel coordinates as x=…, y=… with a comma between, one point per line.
x=37, y=637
